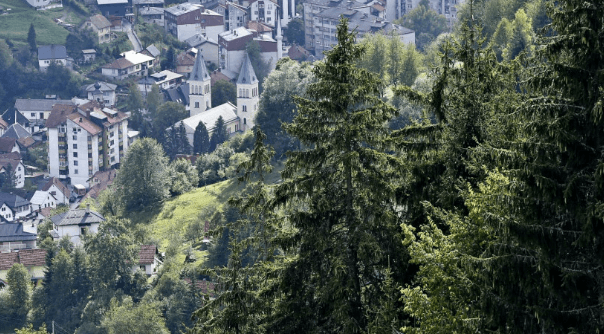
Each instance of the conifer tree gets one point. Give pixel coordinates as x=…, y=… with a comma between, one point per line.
x=201, y=139
x=31, y=38
x=345, y=224
x=219, y=135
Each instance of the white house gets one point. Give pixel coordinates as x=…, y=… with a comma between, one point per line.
x=231, y=48
x=12, y=162
x=58, y=190
x=12, y=237
x=186, y=19
x=75, y=224
x=164, y=80
x=148, y=260
x=264, y=11
x=13, y=206
x=101, y=26
x=38, y=3
x=42, y=199
x=53, y=53
x=207, y=46
x=131, y=64
x=102, y=92
x=9, y=145
x=37, y=110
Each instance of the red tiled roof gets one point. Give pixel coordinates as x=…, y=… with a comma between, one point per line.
x=119, y=64
x=3, y=124
x=7, y=144
x=204, y=286
x=32, y=257
x=46, y=212
x=26, y=141
x=217, y=75
x=58, y=114
x=85, y=123
x=8, y=259
x=147, y=254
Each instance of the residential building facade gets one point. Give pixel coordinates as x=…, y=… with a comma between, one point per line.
x=185, y=20
x=101, y=27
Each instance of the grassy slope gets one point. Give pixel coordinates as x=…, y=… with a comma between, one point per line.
x=176, y=213
x=16, y=24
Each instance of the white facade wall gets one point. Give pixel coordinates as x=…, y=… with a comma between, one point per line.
x=108, y=98
x=77, y=153
x=247, y=105
x=19, y=176
x=22, y=211
x=200, y=96
x=213, y=31
x=210, y=52
x=49, y=201
x=43, y=64
x=234, y=59
x=270, y=58
x=75, y=232
x=6, y=212
x=38, y=3
x=185, y=31
x=270, y=12
x=53, y=152
x=58, y=195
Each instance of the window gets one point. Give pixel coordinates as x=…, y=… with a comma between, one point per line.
x=244, y=121
x=75, y=162
x=33, y=114
x=19, y=169
x=75, y=137
x=75, y=171
x=75, y=146
x=75, y=154
x=244, y=108
x=83, y=230
x=41, y=115
x=196, y=104
x=111, y=142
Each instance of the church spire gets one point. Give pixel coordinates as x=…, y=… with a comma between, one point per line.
x=200, y=72
x=247, y=75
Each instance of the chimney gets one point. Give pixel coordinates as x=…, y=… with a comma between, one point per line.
x=87, y=208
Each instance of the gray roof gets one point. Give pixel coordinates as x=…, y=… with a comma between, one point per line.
x=16, y=131
x=151, y=11
x=181, y=9
x=24, y=105
x=14, y=232
x=12, y=200
x=53, y=51
x=101, y=86
x=147, y=2
x=198, y=40
x=200, y=72
x=79, y=217
x=100, y=22
x=247, y=75
x=153, y=50
x=56, y=219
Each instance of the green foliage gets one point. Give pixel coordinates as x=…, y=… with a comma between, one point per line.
x=277, y=106
x=521, y=38
x=31, y=38
x=19, y=293
x=154, y=100
x=134, y=104
x=201, y=139
x=167, y=115
x=295, y=32
x=426, y=23
x=261, y=68
x=183, y=175
x=142, y=180
x=219, y=135
x=125, y=317
x=222, y=92
x=30, y=330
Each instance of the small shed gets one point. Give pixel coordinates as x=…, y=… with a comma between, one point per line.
x=89, y=55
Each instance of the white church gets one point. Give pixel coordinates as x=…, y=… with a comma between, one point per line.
x=237, y=118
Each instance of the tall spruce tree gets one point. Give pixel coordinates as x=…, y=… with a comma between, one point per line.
x=545, y=274
x=201, y=139
x=344, y=222
x=31, y=38
x=219, y=135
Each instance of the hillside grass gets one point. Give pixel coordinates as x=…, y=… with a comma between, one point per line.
x=168, y=225
x=15, y=25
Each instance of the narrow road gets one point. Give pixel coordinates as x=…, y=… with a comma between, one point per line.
x=136, y=43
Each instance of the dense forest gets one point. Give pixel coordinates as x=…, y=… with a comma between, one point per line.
x=453, y=188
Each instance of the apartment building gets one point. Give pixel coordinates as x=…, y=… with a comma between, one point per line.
x=186, y=20
x=85, y=139
x=264, y=11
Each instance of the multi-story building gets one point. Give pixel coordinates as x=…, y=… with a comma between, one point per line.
x=235, y=16
x=102, y=92
x=130, y=65
x=264, y=11
x=186, y=19
x=85, y=139
x=101, y=26
x=37, y=110
x=232, y=48
x=396, y=9
x=324, y=27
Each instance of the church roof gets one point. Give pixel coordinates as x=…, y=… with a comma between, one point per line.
x=247, y=75
x=200, y=72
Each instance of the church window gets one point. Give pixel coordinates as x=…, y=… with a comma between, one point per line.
x=244, y=108
x=244, y=121
x=196, y=104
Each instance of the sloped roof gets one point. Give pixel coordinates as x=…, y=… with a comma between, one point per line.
x=9, y=117
x=52, y=51
x=179, y=94
x=210, y=116
x=7, y=144
x=119, y=64
x=58, y=114
x=46, y=212
x=198, y=39
x=80, y=217
x=153, y=50
x=8, y=259
x=10, y=232
x=135, y=57
x=13, y=200
x=32, y=257
x=39, y=197
x=100, y=22
x=200, y=72
x=101, y=86
x=247, y=75
x=3, y=123
x=24, y=105
x=13, y=159
x=85, y=123
x=16, y=131
x=146, y=255
x=54, y=180
x=182, y=8
x=218, y=75
x=185, y=59
x=151, y=11
x=26, y=142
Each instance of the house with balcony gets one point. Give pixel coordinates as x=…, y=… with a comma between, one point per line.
x=164, y=80
x=75, y=224
x=131, y=64
x=84, y=140
x=12, y=237
x=100, y=26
